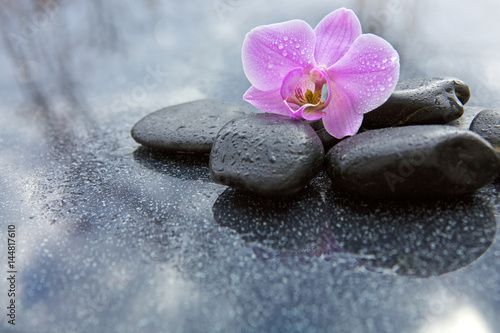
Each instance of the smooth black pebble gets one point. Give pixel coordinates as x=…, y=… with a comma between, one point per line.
x=268, y=154
x=422, y=101
x=487, y=125
x=470, y=112
x=414, y=161
x=188, y=127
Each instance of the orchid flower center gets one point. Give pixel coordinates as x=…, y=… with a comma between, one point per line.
x=306, y=94
x=316, y=91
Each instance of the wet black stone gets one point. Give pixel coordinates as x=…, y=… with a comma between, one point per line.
x=328, y=140
x=421, y=101
x=267, y=154
x=487, y=125
x=188, y=127
x=414, y=161
x=466, y=119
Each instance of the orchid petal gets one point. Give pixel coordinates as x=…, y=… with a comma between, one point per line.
x=367, y=73
x=271, y=51
x=295, y=84
x=306, y=111
x=335, y=35
x=341, y=118
x=267, y=101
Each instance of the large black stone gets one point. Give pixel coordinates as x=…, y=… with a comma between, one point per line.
x=413, y=161
x=189, y=127
x=487, y=125
x=420, y=101
x=268, y=154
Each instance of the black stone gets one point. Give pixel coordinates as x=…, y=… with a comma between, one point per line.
x=188, y=127
x=421, y=101
x=328, y=140
x=414, y=161
x=466, y=119
x=487, y=125
x=268, y=154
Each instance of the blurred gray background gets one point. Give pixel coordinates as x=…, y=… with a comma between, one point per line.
x=112, y=238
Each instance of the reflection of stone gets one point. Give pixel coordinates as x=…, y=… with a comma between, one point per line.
x=416, y=239
x=288, y=226
x=183, y=166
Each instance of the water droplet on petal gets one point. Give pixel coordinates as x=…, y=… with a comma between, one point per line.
x=285, y=38
x=270, y=65
x=284, y=53
x=297, y=45
x=381, y=88
x=280, y=46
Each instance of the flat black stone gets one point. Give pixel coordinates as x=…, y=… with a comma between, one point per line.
x=487, y=125
x=268, y=154
x=413, y=161
x=421, y=101
x=188, y=127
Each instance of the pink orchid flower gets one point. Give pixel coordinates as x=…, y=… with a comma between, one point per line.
x=332, y=72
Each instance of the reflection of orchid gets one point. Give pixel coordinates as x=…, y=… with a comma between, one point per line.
x=332, y=72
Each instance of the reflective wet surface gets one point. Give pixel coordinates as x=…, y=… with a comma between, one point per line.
x=113, y=237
